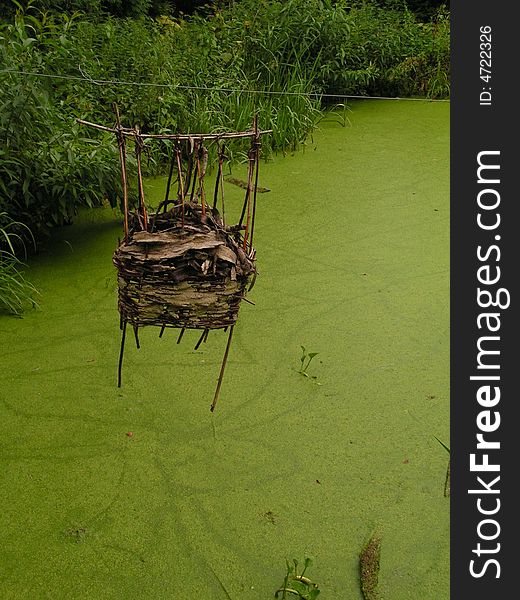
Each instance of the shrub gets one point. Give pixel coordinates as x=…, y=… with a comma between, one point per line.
x=48, y=166
x=203, y=74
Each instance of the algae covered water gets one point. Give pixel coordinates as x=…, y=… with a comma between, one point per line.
x=141, y=492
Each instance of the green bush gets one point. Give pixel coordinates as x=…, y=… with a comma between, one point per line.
x=339, y=47
x=200, y=74
x=48, y=166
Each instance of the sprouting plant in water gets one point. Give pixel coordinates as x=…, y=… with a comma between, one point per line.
x=447, y=482
x=297, y=585
x=305, y=361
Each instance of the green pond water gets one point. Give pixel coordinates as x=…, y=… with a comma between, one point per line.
x=353, y=259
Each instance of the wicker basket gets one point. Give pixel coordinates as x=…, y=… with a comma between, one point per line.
x=192, y=276
x=183, y=268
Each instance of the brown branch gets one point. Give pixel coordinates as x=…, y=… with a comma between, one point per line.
x=222, y=368
x=251, y=156
x=138, y=150
x=121, y=353
x=122, y=160
x=174, y=136
x=202, y=168
x=256, y=145
x=181, y=184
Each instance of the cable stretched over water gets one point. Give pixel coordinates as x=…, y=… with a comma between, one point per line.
x=110, y=82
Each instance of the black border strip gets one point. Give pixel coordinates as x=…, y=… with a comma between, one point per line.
x=484, y=119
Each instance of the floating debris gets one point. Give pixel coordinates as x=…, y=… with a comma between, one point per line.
x=369, y=559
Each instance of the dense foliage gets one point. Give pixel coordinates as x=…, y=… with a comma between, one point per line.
x=206, y=71
x=423, y=9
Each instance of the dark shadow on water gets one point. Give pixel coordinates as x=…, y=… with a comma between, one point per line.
x=95, y=231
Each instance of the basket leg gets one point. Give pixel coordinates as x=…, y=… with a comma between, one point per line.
x=222, y=368
x=180, y=335
x=201, y=339
x=121, y=352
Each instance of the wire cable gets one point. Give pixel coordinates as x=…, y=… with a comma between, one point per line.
x=110, y=82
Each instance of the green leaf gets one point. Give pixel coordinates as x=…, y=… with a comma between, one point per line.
x=307, y=563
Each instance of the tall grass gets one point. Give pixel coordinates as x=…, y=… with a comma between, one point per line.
x=211, y=74
x=15, y=291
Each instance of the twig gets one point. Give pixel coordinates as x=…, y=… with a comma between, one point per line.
x=122, y=160
x=168, y=184
x=174, y=136
x=256, y=145
x=251, y=155
x=121, y=352
x=181, y=184
x=222, y=368
x=190, y=168
x=203, y=152
x=217, y=178
x=196, y=171
x=220, y=180
x=138, y=150
x=201, y=339
x=136, y=335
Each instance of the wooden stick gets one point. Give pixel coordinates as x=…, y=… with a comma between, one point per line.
x=257, y=162
x=164, y=203
x=122, y=160
x=220, y=181
x=204, y=136
x=136, y=335
x=196, y=172
x=180, y=335
x=222, y=189
x=121, y=352
x=202, y=174
x=181, y=184
x=248, y=191
x=248, y=195
x=138, y=150
x=173, y=136
x=222, y=368
x=201, y=339
x=168, y=184
x=162, y=331
x=190, y=169
x=101, y=127
x=242, y=214
x=217, y=180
